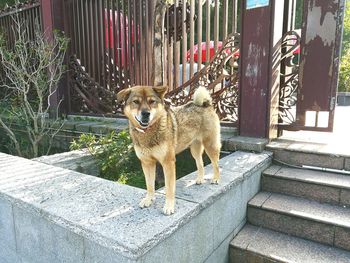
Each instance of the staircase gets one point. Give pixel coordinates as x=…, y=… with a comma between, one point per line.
x=300, y=215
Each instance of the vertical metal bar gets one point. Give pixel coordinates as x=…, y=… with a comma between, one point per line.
x=92, y=41
x=225, y=20
x=184, y=41
x=124, y=45
x=97, y=39
x=78, y=29
x=136, y=39
x=114, y=40
x=216, y=25
x=129, y=46
x=32, y=11
x=207, y=49
x=103, y=41
x=118, y=45
x=83, y=46
x=108, y=39
x=147, y=43
x=30, y=23
x=177, y=47
x=192, y=6
x=74, y=35
x=234, y=16
x=40, y=20
x=199, y=35
x=142, y=63
x=87, y=27
x=169, y=51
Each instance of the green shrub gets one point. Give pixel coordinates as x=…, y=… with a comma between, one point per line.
x=115, y=156
x=118, y=162
x=344, y=73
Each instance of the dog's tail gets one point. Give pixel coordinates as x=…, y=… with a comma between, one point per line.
x=201, y=97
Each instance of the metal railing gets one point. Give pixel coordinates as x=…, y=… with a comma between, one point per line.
x=111, y=48
x=112, y=45
x=208, y=25
x=27, y=13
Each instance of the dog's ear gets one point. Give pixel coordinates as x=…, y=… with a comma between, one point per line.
x=123, y=95
x=160, y=90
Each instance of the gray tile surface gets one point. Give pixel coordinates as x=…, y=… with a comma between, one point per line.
x=303, y=208
x=347, y=164
x=278, y=247
x=342, y=238
x=345, y=197
x=321, y=193
x=308, y=158
x=289, y=224
x=317, y=177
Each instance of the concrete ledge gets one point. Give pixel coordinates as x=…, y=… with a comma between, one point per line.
x=245, y=144
x=80, y=161
x=50, y=214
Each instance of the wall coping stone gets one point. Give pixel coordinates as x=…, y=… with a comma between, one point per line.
x=107, y=213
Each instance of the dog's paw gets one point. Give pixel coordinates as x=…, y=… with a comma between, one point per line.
x=146, y=202
x=200, y=181
x=169, y=208
x=215, y=181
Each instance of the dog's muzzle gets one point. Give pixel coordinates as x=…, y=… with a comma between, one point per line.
x=145, y=118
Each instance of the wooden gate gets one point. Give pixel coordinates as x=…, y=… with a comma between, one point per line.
x=309, y=84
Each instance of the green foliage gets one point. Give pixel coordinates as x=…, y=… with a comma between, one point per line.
x=344, y=72
x=346, y=30
x=118, y=162
x=3, y=3
x=115, y=155
x=31, y=68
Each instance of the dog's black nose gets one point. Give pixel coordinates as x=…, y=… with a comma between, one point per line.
x=145, y=114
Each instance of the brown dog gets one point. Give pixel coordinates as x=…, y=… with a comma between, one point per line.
x=159, y=133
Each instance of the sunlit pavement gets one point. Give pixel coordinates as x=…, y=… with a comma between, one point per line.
x=339, y=138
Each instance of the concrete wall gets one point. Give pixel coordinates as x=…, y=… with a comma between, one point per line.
x=343, y=98
x=50, y=214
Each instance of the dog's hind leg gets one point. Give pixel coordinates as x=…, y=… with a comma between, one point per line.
x=149, y=170
x=212, y=148
x=197, y=153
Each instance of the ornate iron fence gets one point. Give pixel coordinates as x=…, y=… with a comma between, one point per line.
x=290, y=52
x=220, y=76
x=112, y=47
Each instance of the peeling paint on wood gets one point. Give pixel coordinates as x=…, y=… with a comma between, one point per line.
x=320, y=47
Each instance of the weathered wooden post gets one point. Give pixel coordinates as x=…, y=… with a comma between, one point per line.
x=262, y=23
x=53, y=19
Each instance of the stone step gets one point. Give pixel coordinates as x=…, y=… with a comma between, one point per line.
x=311, y=154
x=300, y=217
x=324, y=187
x=256, y=244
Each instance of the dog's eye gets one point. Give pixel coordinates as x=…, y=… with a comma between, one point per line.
x=136, y=102
x=151, y=101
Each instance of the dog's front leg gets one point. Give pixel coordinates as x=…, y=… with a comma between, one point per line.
x=170, y=183
x=149, y=170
